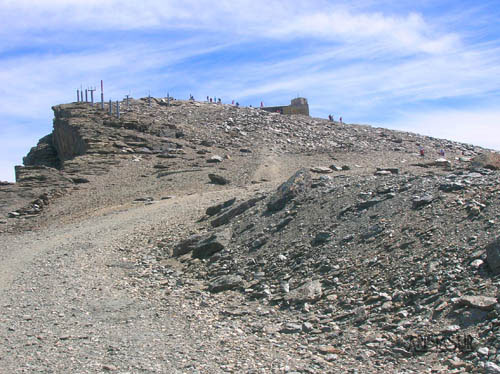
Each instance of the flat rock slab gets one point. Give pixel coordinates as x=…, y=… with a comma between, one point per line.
x=237, y=210
x=321, y=170
x=216, y=209
x=203, y=246
x=479, y=302
x=310, y=291
x=225, y=282
x=218, y=179
x=419, y=202
x=297, y=184
x=215, y=159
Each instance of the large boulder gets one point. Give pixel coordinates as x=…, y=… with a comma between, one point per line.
x=237, y=210
x=479, y=302
x=420, y=201
x=225, y=282
x=297, y=184
x=216, y=209
x=218, y=179
x=308, y=292
x=486, y=160
x=214, y=243
x=187, y=245
x=203, y=246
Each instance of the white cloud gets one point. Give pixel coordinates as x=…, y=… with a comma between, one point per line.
x=256, y=19
x=344, y=58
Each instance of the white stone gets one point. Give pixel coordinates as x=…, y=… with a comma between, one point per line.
x=483, y=351
x=476, y=263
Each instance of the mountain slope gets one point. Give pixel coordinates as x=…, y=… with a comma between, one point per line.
x=324, y=248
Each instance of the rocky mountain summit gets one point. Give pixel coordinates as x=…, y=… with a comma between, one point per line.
x=337, y=245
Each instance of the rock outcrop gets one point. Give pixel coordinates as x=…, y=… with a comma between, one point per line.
x=44, y=154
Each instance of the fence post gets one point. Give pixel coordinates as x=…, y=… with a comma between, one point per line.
x=92, y=95
x=117, y=109
x=102, y=97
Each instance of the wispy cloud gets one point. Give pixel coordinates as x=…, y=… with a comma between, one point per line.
x=370, y=61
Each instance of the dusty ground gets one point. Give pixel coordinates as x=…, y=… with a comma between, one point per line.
x=88, y=285
x=73, y=299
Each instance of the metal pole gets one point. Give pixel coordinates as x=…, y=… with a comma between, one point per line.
x=168, y=99
x=128, y=103
x=92, y=95
x=102, y=97
x=117, y=109
x=149, y=99
x=77, y=96
x=110, y=107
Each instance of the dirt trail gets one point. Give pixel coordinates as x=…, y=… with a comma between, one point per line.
x=75, y=296
x=272, y=168
x=70, y=302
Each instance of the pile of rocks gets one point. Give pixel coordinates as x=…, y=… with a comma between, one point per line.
x=400, y=256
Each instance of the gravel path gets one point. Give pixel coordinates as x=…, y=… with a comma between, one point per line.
x=80, y=297
x=73, y=302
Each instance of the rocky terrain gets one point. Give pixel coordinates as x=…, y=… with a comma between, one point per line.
x=188, y=237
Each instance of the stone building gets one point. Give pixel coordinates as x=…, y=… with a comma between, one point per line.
x=297, y=106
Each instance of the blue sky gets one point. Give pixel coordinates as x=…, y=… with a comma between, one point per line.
x=431, y=67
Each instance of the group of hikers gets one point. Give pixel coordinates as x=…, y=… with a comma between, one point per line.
x=422, y=152
x=216, y=100
x=331, y=119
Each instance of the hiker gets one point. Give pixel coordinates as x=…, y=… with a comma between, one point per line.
x=422, y=152
x=237, y=104
x=232, y=102
x=220, y=101
x=330, y=118
x=262, y=104
x=441, y=152
x=340, y=120
x=207, y=99
x=210, y=100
